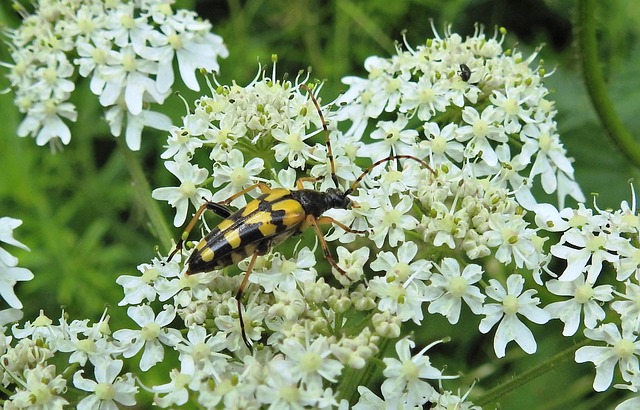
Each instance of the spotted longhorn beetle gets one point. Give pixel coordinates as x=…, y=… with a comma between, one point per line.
x=270, y=219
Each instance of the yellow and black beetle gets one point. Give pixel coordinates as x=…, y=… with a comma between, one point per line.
x=270, y=219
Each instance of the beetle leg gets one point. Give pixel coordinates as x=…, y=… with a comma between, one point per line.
x=264, y=188
x=187, y=230
x=328, y=220
x=325, y=248
x=300, y=181
x=239, y=296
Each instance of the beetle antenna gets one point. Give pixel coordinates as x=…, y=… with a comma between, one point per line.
x=334, y=178
x=382, y=161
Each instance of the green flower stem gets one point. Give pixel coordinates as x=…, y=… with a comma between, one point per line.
x=367, y=25
x=142, y=191
x=596, y=86
x=494, y=395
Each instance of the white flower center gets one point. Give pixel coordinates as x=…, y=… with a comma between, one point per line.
x=624, y=348
x=150, y=275
x=200, y=351
x=427, y=95
x=105, y=391
x=310, y=362
x=410, y=371
x=239, y=176
x=509, y=236
x=393, y=85
x=511, y=106
x=87, y=345
x=99, y=56
x=175, y=41
x=595, y=243
x=86, y=26
x=544, y=142
x=577, y=221
x=584, y=293
x=401, y=270
x=392, y=137
x=49, y=75
x=151, y=331
x=187, y=189
x=50, y=107
x=180, y=380
x=127, y=21
x=439, y=144
x=288, y=267
x=41, y=394
x=397, y=293
x=480, y=128
x=129, y=63
x=510, y=305
x=391, y=218
x=458, y=286
x=294, y=141
x=289, y=394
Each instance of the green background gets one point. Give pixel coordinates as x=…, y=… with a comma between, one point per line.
x=85, y=227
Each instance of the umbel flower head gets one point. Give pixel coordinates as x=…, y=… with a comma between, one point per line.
x=468, y=205
x=126, y=49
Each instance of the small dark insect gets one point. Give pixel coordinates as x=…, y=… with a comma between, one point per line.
x=465, y=72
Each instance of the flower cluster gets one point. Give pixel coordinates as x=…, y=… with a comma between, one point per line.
x=127, y=49
x=29, y=371
x=497, y=122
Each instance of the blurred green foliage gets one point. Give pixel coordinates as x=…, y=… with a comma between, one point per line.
x=85, y=228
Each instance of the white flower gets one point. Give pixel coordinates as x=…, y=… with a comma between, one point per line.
x=145, y=287
x=441, y=144
x=585, y=297
x=405, y=375
x=511, y=235
x=513, y=301
x=585, y=247
x=394, y=140
x=44, y=121
x=42, y=389
x=352, y=263
x=311, y=363
x=10, y=274
x=177, y=390
x=190, y=176
x=285, y=273
x=150, y=336
x=401, y=290
x=281, y=390
x=88, y=343
x=622, y=349
x=291, y=144
x=449, y=287
x=629, y=308
x=106, y=389
x=390, y=221
x=237, y=174
x=188, y=39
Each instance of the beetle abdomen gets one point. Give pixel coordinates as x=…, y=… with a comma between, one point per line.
x=262, y=224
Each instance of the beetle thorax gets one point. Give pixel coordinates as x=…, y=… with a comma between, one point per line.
x=316, y=203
